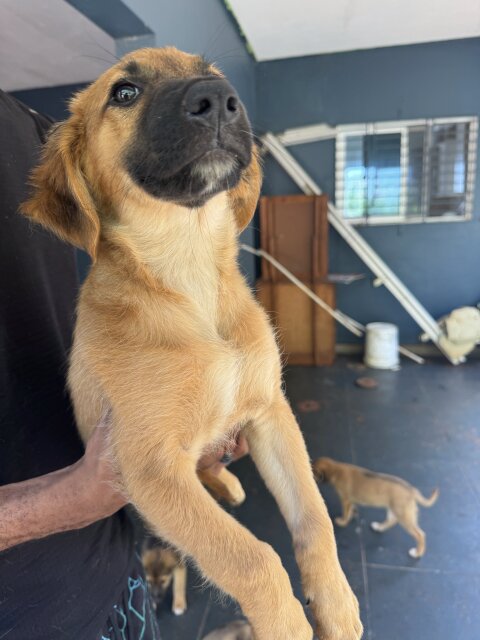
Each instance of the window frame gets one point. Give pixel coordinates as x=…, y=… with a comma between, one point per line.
x=402, y=127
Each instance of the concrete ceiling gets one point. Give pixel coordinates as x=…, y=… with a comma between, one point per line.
x=291, y=28
x=47, y=43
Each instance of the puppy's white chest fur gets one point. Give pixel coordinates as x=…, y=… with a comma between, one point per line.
x=183, y=246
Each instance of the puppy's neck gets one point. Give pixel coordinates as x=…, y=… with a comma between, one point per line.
x=186, y=250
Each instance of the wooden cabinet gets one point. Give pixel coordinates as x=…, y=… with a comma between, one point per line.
x=306, y=332
x=294, y=230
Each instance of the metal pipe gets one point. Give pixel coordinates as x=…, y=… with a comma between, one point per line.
x=352, y=325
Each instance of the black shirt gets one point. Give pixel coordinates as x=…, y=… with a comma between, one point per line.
x=64, y=586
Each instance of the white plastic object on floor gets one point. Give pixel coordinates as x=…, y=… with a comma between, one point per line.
x=381, y=346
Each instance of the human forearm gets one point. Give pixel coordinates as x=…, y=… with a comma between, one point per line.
x=70, y=498
x=55, y=502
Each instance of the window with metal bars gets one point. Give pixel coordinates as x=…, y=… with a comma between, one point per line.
x=406, y=171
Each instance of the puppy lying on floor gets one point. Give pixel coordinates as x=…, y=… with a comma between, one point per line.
x=155, y=174
x=356, y=485
x=164, y=566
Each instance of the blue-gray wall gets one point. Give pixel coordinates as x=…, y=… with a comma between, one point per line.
x=439, y=262
x=52, y=101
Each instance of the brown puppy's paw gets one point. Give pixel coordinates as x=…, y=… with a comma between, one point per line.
x=236, y=494
x=179, y=607
x=413, y=553
x=337, y=612
x=341, y=522
x=223, y=485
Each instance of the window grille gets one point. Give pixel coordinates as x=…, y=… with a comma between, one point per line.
x=406, y=171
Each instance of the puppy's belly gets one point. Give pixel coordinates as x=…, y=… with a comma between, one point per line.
x=240, y=385
x=370, y=501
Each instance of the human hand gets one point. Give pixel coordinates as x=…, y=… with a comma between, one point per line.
x=98, y=475
x=70, y=498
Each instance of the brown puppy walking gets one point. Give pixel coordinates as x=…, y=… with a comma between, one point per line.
x=155, y=175
x=356, y=485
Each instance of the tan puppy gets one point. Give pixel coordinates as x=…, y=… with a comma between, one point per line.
x=238, y=630
x=155, y=175
x=356, y=485
x=164, y=566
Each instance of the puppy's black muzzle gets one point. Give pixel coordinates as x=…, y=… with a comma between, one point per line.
x=193, y=140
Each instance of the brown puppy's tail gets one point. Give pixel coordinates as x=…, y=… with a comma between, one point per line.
x=426, y=502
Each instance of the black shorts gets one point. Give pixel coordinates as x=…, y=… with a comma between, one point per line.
x=133, y=617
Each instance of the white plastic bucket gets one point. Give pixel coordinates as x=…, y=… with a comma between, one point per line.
x=381, y=346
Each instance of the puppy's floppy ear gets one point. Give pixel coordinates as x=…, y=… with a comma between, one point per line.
x=244, y=197
x=61, y=200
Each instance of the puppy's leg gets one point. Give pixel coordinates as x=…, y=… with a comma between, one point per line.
x=419, y=535
x=408, y=518
x=168, y=493
x=279, y=451
x=224, y=486
x=167, y=406
x=179, y=604
x=348, y=509
x=389, y=522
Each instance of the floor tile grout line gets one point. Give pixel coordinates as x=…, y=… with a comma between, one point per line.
x=445, y=572
x=363, y=554
x=365, y=583
x=398, y=567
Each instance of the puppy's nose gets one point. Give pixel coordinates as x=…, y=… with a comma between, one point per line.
x=213, y=102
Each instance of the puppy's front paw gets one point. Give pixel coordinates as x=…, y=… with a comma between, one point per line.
x=376, y=526
x=236, y=494
x=341, y=522
x=336, y=611
x=179, y=607
x=284, y=622
x=413, y=553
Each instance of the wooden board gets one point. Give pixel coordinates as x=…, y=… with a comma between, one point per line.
x=306, y=332
x=294, y=230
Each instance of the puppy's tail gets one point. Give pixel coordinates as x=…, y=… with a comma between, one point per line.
x=426, y=502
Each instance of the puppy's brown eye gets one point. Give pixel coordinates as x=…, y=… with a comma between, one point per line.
x=125, y=93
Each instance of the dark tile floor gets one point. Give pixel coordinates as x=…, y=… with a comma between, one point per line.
x=421, y=423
